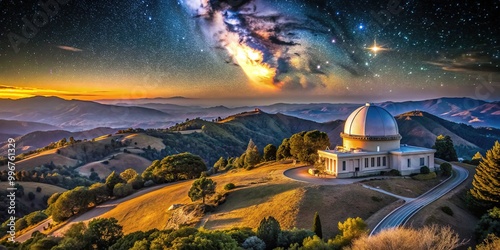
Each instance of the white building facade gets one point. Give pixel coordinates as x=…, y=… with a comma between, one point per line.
x=371, y=145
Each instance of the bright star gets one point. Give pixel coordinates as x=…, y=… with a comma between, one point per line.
x=376, y=48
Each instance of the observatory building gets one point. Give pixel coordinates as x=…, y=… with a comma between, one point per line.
x=371, y=144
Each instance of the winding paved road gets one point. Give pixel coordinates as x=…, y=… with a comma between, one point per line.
x=402, y=214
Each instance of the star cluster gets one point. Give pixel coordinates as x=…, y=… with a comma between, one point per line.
x=284, y=49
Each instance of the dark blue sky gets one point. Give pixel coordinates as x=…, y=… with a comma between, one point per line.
x=296, y=51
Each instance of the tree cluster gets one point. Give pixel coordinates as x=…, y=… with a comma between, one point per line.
x=176, y=167
x=303, y=146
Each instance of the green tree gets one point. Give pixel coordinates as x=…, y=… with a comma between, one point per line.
x=446, y=168
x=122, y=190
x=283, y=151
x=70, y=203
x=444, y=148
x=488, y=224
x=316, y=228
x=268, y=231
x=314, y=243
x=220, y=164
x=252, y=156
x=94, y=176
x=485, y=189
x=128, y=174
x=270, y=152
x=350, y=229
x=175, y=167
x=103, y=233
x=112, y=180
x=492, y=242
x=201, y=188
x=305, y=145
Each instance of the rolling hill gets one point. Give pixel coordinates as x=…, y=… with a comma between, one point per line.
x=421, y=128
x=41, y=139
x=76, y=115
x=12, y=128
x=229, y=138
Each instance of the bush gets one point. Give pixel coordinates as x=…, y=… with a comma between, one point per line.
x=422, y=177
x=425, y=170
x=446, y=168
x=229, y=186
x=38, y=189
x=393, y=172
x=31, y=196
x=254, y=243
x=447, y=210
x=149, y=183
x=376, y=199
x=431, y=237
x=35, y=217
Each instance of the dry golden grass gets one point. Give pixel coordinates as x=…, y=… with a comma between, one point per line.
x=406, y=187
x=337, y=203
x=150, y=210
x=432, y=237
x=260, y=192
x=45, y=157
x=119, y=163
x=31, y=187
x=143, y=141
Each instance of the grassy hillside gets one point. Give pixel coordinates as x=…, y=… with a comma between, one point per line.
x=116, y=162
x=260, y=192
x=421, y=129
x=45, y=157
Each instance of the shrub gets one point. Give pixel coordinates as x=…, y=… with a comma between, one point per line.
x=31, y=196
x=229, y=186
x=425, y=170
x=431, y=237
x=149, y=183
x=254, y=243
x=422, y=177
x=38, y=189
x=447, y=210
x=105, y=162
x=394, y=172
x=376, y=199
x=446, y=168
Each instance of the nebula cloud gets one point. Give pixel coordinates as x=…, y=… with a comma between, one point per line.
x=278, y=47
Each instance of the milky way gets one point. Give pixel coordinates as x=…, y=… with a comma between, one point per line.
x=294, y=50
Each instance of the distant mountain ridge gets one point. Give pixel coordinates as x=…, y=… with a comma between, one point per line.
x=9, y=128
x=77, y=115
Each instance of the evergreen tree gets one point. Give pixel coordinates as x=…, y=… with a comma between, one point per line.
x=268, y=231
x=220, y=164
x=445, y=149
x=317, y=226
x=252, y=156
x=269, y=152
x=486, y=183
x=476, y=159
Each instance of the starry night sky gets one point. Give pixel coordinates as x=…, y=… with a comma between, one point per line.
x=274, y=50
